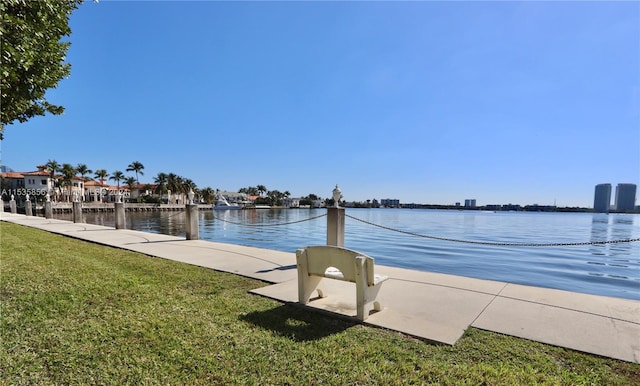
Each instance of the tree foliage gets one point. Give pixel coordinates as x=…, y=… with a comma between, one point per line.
x=136, y=166
x=33, y=56
x=83, y=170
x=68, y=172
x=208, y=195
x=117, y=176
x=130, y=182
x=101, y=174
x=52, y=166
x=249, y=191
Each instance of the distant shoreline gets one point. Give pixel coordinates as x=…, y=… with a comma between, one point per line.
x=66, y=207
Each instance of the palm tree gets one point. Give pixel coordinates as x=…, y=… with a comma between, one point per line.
x=83, y=170
x=208, y=195
x=52, y=167
x=117, y=176
x=188, y=185
x=68, y=172
x=261, y=189
x=250, y=191
x=161, y=183
x=275, y=197
x=137, y=167
x=101, y=174
x=175, y=184
x=131, y=183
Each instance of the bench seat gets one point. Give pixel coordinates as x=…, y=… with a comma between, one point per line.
x=317, y=262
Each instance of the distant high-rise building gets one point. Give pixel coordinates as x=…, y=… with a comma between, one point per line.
x=470, y=203
x=625, y=197
x=602, y=198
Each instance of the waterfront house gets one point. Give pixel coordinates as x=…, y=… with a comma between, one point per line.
x=291, y=202
x=95, y=191
x=11, y=181
x=142, y=190
x=36, y=183
x=39, y=180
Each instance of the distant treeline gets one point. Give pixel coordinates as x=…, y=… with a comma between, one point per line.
x=495, y=208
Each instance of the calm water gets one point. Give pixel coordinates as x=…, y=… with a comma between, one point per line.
x=610, y=269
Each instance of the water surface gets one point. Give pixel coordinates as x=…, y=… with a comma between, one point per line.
x=603, y=269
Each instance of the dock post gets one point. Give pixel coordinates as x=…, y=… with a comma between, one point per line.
x=48, y=207
x=28, y=207
x=77, y=209
x=335, y=221
x=12, y=205
x=119, y=208
x=191, y=218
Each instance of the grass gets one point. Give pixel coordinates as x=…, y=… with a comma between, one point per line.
x=79, y=313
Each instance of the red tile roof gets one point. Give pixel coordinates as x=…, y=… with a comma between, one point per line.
x=12, y=175
x=95, y=183
x=37, y=173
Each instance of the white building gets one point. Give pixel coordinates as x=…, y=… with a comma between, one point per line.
x=291, y=202
x=39, y=181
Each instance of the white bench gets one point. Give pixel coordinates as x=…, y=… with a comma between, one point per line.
x=318, y=262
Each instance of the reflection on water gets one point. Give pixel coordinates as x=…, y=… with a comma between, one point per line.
x=605, y=269
x=612, y=260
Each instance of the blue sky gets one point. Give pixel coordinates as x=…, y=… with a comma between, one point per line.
x=427, y=102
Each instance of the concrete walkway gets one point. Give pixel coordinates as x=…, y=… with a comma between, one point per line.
x=432, y=306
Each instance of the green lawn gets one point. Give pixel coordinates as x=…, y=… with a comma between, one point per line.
x=79, y=313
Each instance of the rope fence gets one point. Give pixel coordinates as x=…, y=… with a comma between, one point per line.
x=486, y=243
x=270, y=225
x=490, y=243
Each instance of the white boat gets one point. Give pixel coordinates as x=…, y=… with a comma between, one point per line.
x=223, y=204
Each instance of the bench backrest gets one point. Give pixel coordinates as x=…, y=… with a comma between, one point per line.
x=321, y=257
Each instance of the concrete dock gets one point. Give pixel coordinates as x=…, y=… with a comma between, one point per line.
x=431, y=306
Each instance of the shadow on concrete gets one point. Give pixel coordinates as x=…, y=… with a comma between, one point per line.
x=297, y=323
x=150, y=241
x=283, y=268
